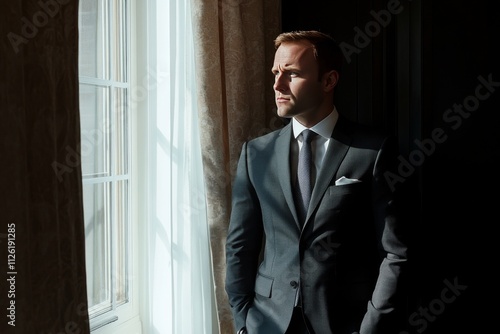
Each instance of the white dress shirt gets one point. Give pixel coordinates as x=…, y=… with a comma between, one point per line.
x=319, y=144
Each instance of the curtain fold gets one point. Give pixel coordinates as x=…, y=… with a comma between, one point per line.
x=234, y=54
x=42, y=226
x=179, y=287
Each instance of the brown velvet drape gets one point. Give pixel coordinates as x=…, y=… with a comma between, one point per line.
x=40, y=176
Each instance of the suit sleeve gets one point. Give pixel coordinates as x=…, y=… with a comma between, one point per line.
x=383, y=314
x=244, y=240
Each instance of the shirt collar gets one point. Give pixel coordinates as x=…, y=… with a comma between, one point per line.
x=323, y=128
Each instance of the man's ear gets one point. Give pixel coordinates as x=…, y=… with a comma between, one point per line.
x=330, y=80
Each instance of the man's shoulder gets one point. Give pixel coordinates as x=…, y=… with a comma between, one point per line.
x=359, y=128
x=362, y=135
x=269, y=137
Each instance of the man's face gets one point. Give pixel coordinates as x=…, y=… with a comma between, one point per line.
x=298, y=91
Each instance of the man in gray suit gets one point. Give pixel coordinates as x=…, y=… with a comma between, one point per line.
x=335, y=263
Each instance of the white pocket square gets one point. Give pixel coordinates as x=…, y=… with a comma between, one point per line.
x=344, y=180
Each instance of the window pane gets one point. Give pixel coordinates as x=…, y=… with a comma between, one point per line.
x=119, y=32
x=119, y=131
x=94, y=125
x=97, y=230
x=120, y=230
x=93, y=39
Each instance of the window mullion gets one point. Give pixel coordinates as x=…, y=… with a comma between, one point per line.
x=112, y=148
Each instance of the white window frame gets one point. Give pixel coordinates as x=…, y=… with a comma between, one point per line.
x=124, y=318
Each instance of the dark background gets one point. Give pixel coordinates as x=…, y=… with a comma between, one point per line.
x=426, y=58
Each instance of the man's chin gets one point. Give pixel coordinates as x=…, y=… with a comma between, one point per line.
x=284, y=114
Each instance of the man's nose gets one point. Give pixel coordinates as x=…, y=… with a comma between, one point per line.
x=279, y=83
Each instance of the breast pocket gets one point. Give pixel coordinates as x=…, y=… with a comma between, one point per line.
x=345, y=195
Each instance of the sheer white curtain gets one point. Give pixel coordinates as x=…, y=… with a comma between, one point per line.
x=178, y=274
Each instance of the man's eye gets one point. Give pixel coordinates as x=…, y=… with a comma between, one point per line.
x=290, y=74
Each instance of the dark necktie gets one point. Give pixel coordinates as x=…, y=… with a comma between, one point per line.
x=304, y=174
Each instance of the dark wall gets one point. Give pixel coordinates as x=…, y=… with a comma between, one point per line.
x=459, y=181
x=431, y=75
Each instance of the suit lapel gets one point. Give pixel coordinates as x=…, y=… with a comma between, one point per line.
x=337, y=149
x=282, y=150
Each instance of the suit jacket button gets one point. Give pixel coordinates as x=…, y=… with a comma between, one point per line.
x=294, y=284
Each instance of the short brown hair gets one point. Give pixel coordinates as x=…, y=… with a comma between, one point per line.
x=326, y=49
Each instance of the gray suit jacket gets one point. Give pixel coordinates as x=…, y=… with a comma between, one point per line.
x=344, y=266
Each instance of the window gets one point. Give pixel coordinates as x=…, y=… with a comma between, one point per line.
x=105, y=150
x=144, y=200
